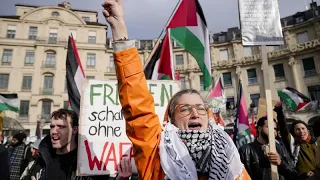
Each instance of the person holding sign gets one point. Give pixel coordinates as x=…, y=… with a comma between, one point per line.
x=191, y=146
x=257, y=157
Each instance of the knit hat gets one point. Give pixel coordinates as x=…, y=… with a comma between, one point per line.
x=20, y=137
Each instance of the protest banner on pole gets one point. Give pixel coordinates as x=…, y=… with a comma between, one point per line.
x=102, y=138
x=260, y=25
x=260, y=22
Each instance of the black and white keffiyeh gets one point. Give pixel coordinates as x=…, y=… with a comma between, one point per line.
x=15, y=162
x=211, y=152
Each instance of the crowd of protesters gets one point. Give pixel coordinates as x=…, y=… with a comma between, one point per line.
x=190, y=146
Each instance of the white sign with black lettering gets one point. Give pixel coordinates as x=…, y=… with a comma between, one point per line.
x=260, y=22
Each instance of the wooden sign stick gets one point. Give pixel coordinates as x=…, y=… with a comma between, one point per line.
x=265, y=67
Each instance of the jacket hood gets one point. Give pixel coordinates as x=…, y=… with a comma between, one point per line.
x=46, y=150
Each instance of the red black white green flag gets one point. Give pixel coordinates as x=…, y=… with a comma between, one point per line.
x=75, y=75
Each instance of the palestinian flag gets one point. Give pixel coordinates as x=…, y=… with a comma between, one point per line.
x=75, y=75
x=9, y=102
x=293, y=99
x=160, y=65
x=189, y=29
x=216, y=98
x=241, y=130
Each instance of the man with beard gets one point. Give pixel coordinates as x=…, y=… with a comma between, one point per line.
x=58, y=151
x=257, y=158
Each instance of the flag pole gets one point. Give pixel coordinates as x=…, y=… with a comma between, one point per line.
x=163, y=29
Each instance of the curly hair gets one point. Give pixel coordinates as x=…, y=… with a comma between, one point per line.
x=64, y=113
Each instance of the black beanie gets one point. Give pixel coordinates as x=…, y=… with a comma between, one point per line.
x=20, y=137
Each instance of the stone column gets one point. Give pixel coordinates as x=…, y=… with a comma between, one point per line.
x=296, y=73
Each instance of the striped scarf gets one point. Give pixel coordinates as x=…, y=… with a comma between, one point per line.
x=15, y=162
x=184, y=153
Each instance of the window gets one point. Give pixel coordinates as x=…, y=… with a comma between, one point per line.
x=86, y=19
x=27, y=82
x=302, y=37
x=50, y=60
x=53, y=36
x=55, y=14
x=230, y=103
x=48, y=82
x=29, y=58
x=279, y=71
x=252, y=76
x=137, y=44
x=227, y=79
x=314, y=92
x=33, y=31
x=73, y=33
x=299, y=19
x=65, y=104
x=6, y=57
x=183, y=83
x=4, y=81
x=92, y=37
x=111, y=62
x=11, y=32
x=179, y=60
x=255, y=99
x=201, y=83
x=47, y=85
x=46, y=109
x=89, y=77
x=247, y=51
x=91, y=60
x=309, y=67
x=24, y=108
x=224, y=54
x=222, y=38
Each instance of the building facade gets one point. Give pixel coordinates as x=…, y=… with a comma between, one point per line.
x=33, y=48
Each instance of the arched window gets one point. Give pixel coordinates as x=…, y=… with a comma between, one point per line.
x=50, y=61
x=55, y=14
x=47, y=84
x=46, y=109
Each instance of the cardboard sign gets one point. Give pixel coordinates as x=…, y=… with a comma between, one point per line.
x=260, y=22
x=102, y=139
x=262, y=109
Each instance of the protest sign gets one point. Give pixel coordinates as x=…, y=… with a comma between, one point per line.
x=260, y=22
x=262, y=108
x=102, y=132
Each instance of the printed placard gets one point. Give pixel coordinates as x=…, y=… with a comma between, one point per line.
x=260, y=22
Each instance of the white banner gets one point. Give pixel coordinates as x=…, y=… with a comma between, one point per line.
x=260, y=22
x=102, y=132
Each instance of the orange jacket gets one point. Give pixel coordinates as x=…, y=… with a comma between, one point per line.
x=142, y=124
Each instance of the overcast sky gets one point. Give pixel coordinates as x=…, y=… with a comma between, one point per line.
x=146, y=18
